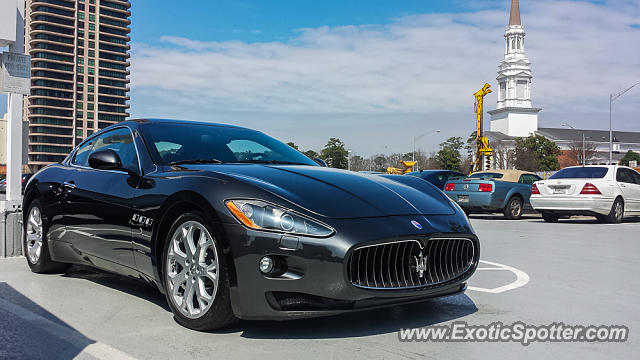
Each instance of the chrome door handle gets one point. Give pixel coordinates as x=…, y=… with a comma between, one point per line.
x=69, y=184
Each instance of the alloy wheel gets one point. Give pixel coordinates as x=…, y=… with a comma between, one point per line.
x=192, y=269
x=515, y=208
x=618, y=210
x=34, y=235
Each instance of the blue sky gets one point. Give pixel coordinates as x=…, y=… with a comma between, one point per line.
x=261, y=20
x=375, y=72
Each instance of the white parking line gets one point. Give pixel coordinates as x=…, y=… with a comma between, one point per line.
x=96, y=349
x=521, y=278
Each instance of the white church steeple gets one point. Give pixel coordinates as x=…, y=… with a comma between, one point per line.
x=514, y=114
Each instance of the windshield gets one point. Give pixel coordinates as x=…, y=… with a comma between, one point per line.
x=487, y=175
x=188, y=142
x=581, y=173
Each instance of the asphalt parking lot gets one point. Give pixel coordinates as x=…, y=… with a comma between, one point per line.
x=577, y=272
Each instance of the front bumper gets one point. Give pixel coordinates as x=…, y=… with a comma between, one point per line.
x=573, y=204
x=316, y=282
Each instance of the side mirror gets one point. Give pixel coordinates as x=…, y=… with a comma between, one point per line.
x=320, y=162
x=105, y=160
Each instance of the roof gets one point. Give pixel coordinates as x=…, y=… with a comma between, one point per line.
x=497, y=135
x=514, y=17
x=507, y=175
x=567, y=134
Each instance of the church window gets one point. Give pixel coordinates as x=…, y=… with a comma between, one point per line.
x=518, y=44
x=521, y=89
x=503, y=91
x=513, y=44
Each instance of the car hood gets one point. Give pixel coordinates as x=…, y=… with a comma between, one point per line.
x=338, y=193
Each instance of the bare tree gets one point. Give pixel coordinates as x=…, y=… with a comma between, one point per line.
x=504, y=155
x=575, y=152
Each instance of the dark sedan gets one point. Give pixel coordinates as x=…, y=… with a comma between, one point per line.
x=438, y=178
x=230, y=223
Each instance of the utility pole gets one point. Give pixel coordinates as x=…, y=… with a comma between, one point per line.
x=584, y=151
x=413, y=157
x=15, y=81
x=612, y=98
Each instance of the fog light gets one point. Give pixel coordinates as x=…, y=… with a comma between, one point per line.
x=266, y=265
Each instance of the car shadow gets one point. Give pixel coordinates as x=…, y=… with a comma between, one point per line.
x=128, y=285
x=355, y=324
x=531, y=216
x=593, y=220
x=29, y=331
x=362, y=323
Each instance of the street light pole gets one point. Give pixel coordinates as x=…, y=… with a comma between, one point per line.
x=413, y=157
x=584, y=152
x=612, y=98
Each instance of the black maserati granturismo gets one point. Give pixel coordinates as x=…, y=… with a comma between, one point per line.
x=230, y=223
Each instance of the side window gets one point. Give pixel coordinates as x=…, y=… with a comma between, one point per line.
x=81, y=158
x=528, y=179
x=636, y=177
x=625, y=176
x=120, y=141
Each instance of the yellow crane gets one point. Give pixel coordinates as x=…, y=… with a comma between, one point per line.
x=408, y=167
x=482, y=143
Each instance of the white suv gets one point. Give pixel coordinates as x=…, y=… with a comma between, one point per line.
x=608, y=192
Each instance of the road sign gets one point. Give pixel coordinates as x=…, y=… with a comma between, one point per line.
x=15, y=73
x=633, y=163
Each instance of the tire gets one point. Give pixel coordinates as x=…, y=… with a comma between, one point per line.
x=616, y=215
x=550, y=217
x=36, y=244
x=513, y=210
x=210, y=309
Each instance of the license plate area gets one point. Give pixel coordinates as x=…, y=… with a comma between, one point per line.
x=559, y=190
x=463, y=198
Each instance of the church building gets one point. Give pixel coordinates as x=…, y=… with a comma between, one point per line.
x=516, y=116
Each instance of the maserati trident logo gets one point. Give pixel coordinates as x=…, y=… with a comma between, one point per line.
x=416, y=224
x=421, y=264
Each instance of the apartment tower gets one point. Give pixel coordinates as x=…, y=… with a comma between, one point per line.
x=79, y=72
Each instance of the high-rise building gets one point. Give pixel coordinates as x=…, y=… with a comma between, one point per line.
x=79, y=72
x=514, y=115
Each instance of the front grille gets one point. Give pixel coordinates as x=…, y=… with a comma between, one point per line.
x=410, y=264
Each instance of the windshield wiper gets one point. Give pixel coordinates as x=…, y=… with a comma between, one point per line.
x=279, y=162
x=196, y=161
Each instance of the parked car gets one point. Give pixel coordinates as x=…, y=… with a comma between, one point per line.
x=231, y=223
x=492, y=191
x=608, y=192
x=438, y=178
x=25, y=180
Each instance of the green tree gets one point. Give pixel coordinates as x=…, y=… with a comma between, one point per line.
x=537, y=153
x=293, y=145
x=311, y=154
x=630, y=156
x=335, y=154
x=449, y=155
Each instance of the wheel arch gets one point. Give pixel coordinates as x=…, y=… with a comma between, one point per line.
x=30, y=195
x=171, y=209
x=510, y=196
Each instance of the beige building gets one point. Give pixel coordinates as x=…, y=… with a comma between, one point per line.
x=79, y=72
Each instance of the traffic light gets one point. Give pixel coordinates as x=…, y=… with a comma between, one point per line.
x=487, y=160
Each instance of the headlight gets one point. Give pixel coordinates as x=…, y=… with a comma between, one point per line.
x=259, y=215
